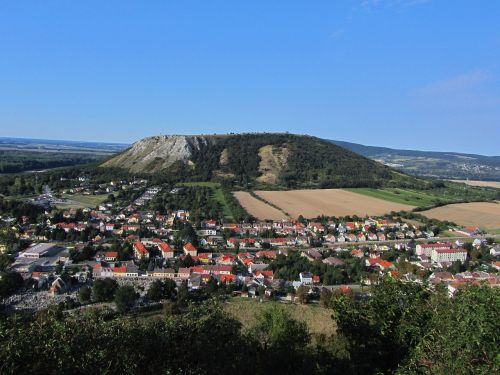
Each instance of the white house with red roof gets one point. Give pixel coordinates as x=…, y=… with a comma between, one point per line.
x=190, y=249
x=140, y=250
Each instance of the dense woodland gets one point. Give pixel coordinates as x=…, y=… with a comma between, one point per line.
x=401, y=329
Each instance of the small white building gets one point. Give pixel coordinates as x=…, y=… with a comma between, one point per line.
x=306, y=278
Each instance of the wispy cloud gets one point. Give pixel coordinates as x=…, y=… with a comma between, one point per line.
x=371, y=4
x=473, y=88
x=461, y=82
x=337, y=34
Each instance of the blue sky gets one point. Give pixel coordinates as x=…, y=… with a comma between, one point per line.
x=399, y=73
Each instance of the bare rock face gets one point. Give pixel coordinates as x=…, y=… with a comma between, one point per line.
x=153, y=154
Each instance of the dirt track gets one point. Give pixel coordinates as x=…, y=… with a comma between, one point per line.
x=257, y=208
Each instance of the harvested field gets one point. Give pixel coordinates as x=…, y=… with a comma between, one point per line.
x=480, y=214
x=257, y=208
x=494, y=184
x=332, y=202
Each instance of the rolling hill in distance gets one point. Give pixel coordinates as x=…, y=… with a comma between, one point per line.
x=449, y=165
x=267, y=159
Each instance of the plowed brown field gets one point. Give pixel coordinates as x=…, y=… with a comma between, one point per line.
x=257, y=208
x=311, y=203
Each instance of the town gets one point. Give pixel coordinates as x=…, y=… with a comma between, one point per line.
x=122, y=238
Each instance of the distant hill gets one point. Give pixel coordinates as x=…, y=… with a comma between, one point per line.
x=23, y=154
x=449, y=165
x=268, y=159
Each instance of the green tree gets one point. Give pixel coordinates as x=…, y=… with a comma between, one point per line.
x=284, y=341
x=85, y=294
x=5, y=261
x=160, y=289
x=104, y=289
x=303, y=294
x=125, y=298
x=10, y=282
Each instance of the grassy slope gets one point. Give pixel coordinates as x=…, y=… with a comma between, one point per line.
x=317, y=318
x=218, y=195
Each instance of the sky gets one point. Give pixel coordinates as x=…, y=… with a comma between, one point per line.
x=414, y=74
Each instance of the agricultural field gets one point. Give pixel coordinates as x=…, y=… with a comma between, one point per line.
x=332, y=202
x=485, y=215
x=317, y=318
x=494, y=184
x=404, y=196
x=257, y=208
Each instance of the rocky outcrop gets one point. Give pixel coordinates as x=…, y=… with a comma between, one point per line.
x=156, y=153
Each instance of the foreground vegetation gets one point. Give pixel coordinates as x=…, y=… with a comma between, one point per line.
x=401, y=329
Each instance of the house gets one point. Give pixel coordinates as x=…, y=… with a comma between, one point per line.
x=190, y=249
x=270, y=254
x=184, y=273
x=448, y=255
x=110, y=256
x=166, y=251
x=311, y=255
x=426, y=249
x=495, y=251
x=469, y=231
x=357, y=253
x=210, y=224
x=379, y=263
x=306, y=278
x=140, y=250
x=333, y=261
x=316, y=227
x=165, y=273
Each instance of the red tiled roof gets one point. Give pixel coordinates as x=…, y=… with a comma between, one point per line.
x=122, y=269
x=140, y=247
x=189, y=247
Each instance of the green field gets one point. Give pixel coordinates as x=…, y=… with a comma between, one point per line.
x=404, y=196
x=85, y=200
x=217, y=195
x=317, y=318
x=450, y=193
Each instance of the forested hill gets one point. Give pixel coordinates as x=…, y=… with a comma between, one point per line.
x=264, y=159
x=452, y=165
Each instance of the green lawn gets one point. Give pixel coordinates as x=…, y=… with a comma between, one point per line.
x=317, y=318
x=86, y=200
